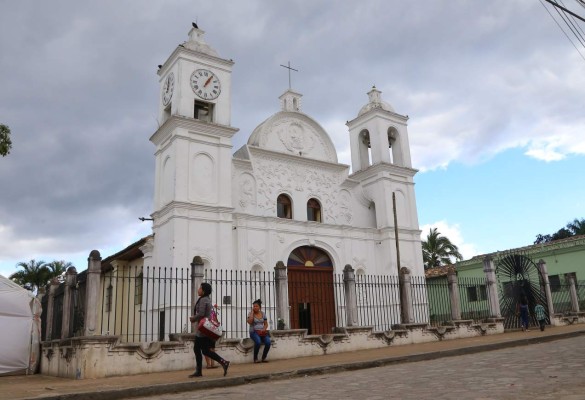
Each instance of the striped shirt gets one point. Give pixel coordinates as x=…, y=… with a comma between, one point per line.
x=539, y=311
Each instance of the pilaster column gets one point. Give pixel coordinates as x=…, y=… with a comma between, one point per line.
x=454, y=298
x=492, y=287
x=67, y=321
x=197, y=275
x=92, y=292
x=51, y=309
x=544, y=274
x=281, y=283
x=350, y=296
x=406, y=296
x=570, y=278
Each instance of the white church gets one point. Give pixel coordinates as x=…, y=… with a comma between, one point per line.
x=284, y=190
x=283, y=196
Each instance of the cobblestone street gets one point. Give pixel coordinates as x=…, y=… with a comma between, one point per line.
x=554, y=370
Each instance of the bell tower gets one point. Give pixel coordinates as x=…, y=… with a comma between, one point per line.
x=192, y=199
x=378, y=135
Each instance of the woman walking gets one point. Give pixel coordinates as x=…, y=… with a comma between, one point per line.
x=259, y=330
x=523, y=311
x=203, y=344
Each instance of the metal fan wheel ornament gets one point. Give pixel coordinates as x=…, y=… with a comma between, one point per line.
x=519, y=277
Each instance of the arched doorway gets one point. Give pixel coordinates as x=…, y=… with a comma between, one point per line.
x=310, y=290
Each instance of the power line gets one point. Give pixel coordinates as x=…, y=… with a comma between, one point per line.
x=571, y=26
x=554, y=3
x=560, y=27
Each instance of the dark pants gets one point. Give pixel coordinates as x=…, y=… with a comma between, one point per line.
x=541, y=323
x=258, y=341
x=203, y=345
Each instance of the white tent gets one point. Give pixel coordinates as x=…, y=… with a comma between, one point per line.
x=20, y=327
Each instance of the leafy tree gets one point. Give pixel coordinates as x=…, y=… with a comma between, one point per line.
x=5, y=142
x=577, y=227
x=34, y=274
x=438, y=250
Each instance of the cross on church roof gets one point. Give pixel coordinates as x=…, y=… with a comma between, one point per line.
x=289, y=69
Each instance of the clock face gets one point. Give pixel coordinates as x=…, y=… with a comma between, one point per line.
x=205, y=84
x=167, y=90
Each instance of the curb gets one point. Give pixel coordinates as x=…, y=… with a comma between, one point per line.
x=143, y=391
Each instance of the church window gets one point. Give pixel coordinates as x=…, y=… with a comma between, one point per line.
x=555, y=283
x=109, y=293
x=138, y=289
x=313, y=210
x=284, y=207
x=203, y=111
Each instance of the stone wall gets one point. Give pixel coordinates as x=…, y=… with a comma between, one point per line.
x=90, y=357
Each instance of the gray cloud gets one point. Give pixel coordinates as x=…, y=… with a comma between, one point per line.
x=79, y=91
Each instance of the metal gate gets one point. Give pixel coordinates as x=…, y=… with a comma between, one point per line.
x=519, y=277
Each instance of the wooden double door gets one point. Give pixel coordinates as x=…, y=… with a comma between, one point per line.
x=311, y=291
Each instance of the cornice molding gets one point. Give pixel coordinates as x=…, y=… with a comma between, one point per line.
x=261, y=153
x=382, y=167
x=175, y=122
x=179, y=53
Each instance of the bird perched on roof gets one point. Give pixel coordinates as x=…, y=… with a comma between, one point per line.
x=195, y=25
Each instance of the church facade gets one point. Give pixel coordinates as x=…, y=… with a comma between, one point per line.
x=283, y=196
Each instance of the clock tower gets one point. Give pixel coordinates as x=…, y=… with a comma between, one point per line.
x=193, y=200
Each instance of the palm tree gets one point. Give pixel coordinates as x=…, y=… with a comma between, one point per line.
x=58, y=268
x=34, y=274
x=438, y=250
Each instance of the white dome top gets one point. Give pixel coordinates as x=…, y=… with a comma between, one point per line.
x=375, y=102
x=291, y=132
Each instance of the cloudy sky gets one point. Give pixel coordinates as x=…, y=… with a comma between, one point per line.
x=494, y=91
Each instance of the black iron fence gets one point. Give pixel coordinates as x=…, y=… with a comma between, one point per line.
x=233, y=295
x=146, y=304
x=378, y=301
x=474, y=298
x=420, y=303
x=439, y=301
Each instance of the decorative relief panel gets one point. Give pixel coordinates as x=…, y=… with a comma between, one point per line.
x=297, y=137
x=256, y=256
x=275, y=176
x=247, y=192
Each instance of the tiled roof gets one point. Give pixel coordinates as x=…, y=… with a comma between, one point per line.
x=438, y=272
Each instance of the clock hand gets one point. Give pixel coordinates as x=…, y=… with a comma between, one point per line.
x=207, y=81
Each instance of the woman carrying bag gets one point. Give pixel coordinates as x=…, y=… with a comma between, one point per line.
x=204, y=344
x=259, y=330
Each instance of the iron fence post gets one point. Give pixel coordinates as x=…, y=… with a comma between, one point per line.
x=281, y=292
x=544, y=273
x=196, y=281
x=570, y=277
x=92, y=287
x=454, y=298
x=492, y=287
x=406, y=296
x=350, y=295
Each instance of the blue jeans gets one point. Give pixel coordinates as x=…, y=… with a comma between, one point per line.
x=258, y=341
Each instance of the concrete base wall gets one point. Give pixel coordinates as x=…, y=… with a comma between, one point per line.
x=568, y=319
x=102, y=356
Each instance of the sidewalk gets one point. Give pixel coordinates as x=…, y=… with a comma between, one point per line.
x=43, y=387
